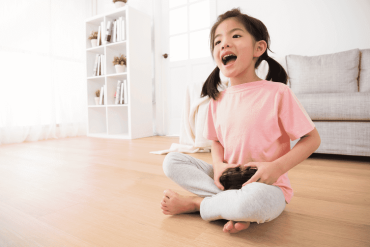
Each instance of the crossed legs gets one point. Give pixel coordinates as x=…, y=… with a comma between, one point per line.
x=256, y=202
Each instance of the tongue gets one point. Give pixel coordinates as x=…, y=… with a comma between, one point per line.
x=230, y=60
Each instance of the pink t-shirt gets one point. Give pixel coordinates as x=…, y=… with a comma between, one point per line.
x=255, y=121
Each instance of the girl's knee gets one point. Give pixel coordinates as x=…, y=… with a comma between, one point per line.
x=261, y=202
x=169, y=163
x=263, y=193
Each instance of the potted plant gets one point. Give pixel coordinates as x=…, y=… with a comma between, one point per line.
x=119, y=3
x=97, y=97
x=120, y=63
x=93, y=37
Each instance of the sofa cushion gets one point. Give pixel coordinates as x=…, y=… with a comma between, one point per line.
x=336, y=106
x=331, y=73
x=364, y=81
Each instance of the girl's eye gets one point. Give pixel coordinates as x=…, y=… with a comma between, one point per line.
x=234, y=36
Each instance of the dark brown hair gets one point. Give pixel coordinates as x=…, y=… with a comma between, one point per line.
x=259, y=32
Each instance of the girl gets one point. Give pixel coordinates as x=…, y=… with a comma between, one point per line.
x=251, y=124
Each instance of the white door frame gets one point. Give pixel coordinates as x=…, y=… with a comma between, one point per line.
x=161, y=46
x=159, y=95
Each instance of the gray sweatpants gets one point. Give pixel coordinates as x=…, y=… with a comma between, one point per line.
x=255, y=202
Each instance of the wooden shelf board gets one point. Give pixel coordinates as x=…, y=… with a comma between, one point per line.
x=96, y=77
x=96, y=105
x=120, y=105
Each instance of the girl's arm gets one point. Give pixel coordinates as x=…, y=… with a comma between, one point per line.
x=217, y=152
x=308, y=144
x=269, y=172
x=218, y=163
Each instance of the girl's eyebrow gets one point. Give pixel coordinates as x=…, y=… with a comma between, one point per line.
x=232, y=30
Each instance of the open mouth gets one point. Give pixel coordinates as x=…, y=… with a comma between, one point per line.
x=228, y=58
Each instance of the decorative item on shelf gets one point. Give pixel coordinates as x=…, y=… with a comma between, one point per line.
x=94, y=38
x=97, y=97
x=120, y=63
x=117, y=94
x=119, y=3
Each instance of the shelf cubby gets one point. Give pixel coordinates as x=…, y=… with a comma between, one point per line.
x=97, y=120
x=117, y=120
x=94, y=84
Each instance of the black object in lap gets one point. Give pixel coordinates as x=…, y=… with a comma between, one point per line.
x=234, y=178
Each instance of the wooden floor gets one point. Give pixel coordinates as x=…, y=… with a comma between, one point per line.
x=102, y=192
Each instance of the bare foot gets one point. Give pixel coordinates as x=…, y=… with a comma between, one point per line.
x=173, y=203
x=230, y=227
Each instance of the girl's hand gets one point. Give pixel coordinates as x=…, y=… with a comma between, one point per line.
x=218, y=169
x=267, y=173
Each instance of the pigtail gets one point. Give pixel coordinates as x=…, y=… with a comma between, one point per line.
x=210, y=86
x=276, y=72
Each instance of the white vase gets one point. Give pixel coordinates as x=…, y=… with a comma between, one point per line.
x=119, y=4
x=97, y=100
x=94, y=42
x=120, y=68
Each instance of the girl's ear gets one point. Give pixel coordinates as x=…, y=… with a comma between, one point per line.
x=260, y=48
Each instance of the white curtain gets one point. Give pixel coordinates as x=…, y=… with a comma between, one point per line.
x=42, y=69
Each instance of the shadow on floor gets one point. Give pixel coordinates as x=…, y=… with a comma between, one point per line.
x=340, y=157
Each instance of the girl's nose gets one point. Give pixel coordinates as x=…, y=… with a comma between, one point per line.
x=225, y=45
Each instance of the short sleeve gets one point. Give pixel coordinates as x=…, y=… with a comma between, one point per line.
x=293, y=116
x=209, y=127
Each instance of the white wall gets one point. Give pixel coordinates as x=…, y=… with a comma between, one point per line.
x=310, y=27
x=302, y=27
x=145, y=6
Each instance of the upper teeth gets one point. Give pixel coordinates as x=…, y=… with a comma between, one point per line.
x=228, y=56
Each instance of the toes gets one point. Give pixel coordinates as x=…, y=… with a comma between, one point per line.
x=169, y=193
x=234, y=227
x=242, y=225
x=165, y=194
x=228, y=226
x=165, y=199
x=165, y=212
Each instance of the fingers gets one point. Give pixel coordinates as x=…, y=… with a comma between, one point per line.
x=258, y=180
x=216, y=178
x=219, y=185
x=254, y=178
x=251, y=164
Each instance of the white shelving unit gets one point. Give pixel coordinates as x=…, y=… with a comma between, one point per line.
x=134, y=119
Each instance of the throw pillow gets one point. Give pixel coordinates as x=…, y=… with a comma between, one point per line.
x=330, y=73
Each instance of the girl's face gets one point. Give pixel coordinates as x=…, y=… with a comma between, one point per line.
x=235, y=50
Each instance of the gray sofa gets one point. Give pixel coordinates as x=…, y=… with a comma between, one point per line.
x=335, y=91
